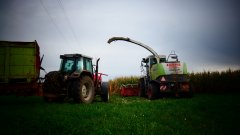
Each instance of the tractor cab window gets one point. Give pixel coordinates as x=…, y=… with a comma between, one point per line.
x=88, y=65
x=79, y=64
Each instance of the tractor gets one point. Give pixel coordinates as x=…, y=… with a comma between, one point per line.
x=162, y=76
x=77, y=79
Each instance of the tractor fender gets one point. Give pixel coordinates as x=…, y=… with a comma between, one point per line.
x=76, y=75
x=86, y=73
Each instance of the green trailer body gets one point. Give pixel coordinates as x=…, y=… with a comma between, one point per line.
x=19, y=64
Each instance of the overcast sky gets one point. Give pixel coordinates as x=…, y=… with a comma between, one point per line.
x=204, y=33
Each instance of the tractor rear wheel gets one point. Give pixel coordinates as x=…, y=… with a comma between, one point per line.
x=141, y=85
x=84, y=90
x=153, y=91
x=52, y=87
x=105, y=92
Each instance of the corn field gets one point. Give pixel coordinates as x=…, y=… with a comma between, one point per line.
x=115, y=84
x=216, y=82
x=204, y=82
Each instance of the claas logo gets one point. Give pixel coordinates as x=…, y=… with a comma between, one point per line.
x=173, y=64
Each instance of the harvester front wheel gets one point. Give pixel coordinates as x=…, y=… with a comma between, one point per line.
x=153, y=91
x=105, y=92
x=84, y=90
x=141, y=85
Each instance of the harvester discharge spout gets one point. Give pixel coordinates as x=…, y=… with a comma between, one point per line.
x=135, y=42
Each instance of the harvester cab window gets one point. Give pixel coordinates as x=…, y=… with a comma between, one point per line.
x=153, y=61
x=162, y=60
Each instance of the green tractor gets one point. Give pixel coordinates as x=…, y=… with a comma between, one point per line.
x=75, y=80
x=162, y=76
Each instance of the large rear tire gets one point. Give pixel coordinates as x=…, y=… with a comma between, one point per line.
x=153, y=91
x=141, y=85
x=104, y=92
x=52, y=87
x=84, y=90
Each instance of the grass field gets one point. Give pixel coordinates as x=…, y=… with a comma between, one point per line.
x=201, y=115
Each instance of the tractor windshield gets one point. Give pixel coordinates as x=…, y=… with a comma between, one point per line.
x=68, y=65
x=71, y=64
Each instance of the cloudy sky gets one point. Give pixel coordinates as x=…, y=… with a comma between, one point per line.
x=204, y=33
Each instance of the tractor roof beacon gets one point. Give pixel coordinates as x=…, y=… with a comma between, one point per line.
x=162, y=76
x=76, y=79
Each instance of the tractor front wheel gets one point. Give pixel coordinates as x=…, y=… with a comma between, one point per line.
x=53, y=87
x=84, y=90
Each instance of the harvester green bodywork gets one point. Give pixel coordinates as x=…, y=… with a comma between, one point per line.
x=156, y=71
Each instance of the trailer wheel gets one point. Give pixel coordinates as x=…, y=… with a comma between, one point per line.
x=141, y=85
x=84, y=90
x=105, y=92
x=153, y=91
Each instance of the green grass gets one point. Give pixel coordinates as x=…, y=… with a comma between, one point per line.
x=202, y=114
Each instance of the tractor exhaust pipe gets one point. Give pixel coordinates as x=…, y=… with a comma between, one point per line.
x=96, y=73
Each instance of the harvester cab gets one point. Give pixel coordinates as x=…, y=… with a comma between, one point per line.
x=75, y=79
x=161, y=76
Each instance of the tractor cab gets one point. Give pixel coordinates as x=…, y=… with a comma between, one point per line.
x=75, y=63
